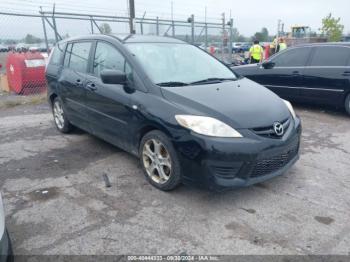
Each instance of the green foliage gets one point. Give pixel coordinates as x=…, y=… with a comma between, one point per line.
x=105, y=28
x=30, y=39
x=332, y=28
x=265, y=34
x=65, y=36
x=262, y=36
x=237, y=37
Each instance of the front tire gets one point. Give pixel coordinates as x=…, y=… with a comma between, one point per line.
x=159, y=161
x=347, y=104
x=60, y=118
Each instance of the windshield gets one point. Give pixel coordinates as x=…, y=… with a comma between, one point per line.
x=178, y=63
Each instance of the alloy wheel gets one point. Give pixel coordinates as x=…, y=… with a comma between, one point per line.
x=157, y=161
x=58, y=114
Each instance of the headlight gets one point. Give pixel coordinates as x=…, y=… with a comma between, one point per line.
x=290, y=108
x=207, y=126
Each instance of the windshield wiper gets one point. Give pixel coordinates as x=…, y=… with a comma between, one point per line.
x=172, y=83
x=212, y=80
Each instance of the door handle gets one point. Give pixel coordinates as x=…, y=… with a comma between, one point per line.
x=346, y=73
x=91, y=86
x=295, y=73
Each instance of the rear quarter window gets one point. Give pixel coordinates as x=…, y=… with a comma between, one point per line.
x=331, y=56
x=57, y=54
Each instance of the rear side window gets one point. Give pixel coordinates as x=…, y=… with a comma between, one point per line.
x=292, y=57
x=77, y=56
x=107, y=57
x=330, y=56
x=57, y=54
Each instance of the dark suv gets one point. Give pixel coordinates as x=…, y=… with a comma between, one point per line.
x=316, y=73
x=186, y=115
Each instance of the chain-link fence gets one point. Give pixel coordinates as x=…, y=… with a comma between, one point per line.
x=26, y=40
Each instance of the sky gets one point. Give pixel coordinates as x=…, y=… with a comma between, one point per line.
x=249, y=16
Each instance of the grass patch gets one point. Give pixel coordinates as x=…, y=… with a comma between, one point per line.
x=14, y=101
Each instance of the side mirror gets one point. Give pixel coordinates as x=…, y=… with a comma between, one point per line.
x=110, y=76
x=268, y=64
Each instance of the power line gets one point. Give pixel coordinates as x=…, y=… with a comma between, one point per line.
x=33, y=5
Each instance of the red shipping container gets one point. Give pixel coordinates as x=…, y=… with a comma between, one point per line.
x=26, y=72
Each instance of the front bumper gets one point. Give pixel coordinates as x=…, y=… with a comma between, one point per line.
x=5, y=247
x=219, y=163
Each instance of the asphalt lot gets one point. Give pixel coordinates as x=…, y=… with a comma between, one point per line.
x=57, y=203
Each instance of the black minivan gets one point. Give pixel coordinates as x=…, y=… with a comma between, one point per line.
x=310, y=73
x=187, y=116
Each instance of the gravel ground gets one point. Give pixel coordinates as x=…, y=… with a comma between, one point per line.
x=57, y=203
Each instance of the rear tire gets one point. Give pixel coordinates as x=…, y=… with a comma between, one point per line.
x=59, y=116
x=347, y=104
x=159, y=161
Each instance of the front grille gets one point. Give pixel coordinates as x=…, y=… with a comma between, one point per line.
x=226, y=171
x=269, y=131
x=273, y=163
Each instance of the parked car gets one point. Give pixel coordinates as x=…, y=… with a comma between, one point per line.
x=5, y=243
x=210, y=46
x=314, y=73
x=240, y=47
x=42, y=48
x=22, y=47
x=3, y=48
x=186, y=115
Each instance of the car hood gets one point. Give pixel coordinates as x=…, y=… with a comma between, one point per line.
x=241, y=103
x=2, y=219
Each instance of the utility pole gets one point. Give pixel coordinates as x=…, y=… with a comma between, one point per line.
x=278, y=34
x=44, y=28
x=230, y=23
x=141, y=24
x=172, y=10
x=191, y=20
x=172, y=20
x=223, y=36
x=54, y=22
x=131, y=16
x=206, y=28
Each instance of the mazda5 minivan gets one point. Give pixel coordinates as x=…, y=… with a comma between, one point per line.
x=187, y=116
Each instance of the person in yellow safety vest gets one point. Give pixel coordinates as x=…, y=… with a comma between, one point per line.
x=282, y=45
x=256, y=53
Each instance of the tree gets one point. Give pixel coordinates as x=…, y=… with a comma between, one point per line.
x=262, y=36
x=265, y=34
x=30, y=39
x=65, y=36
x=236, y=36
x=257, y=36
x=332, y=28
x=105, y=28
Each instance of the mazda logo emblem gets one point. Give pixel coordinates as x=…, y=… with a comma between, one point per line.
x=278, y=128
